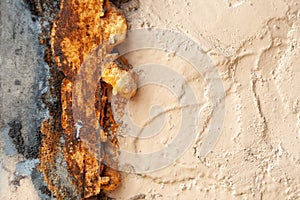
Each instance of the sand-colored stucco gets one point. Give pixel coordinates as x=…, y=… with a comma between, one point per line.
x=255, y=47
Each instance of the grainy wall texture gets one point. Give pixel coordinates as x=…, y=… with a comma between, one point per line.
x=253, y=45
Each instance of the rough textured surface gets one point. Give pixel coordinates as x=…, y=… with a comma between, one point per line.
x=255, y=46
x=82, y=37
x=19, y=126
x=23, y=80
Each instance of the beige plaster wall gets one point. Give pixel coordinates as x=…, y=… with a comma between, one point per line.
x=255, y=47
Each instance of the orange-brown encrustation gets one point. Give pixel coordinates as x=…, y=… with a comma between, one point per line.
x=82, y=38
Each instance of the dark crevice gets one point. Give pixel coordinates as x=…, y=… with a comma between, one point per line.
x=16, y=135
x=118, y=3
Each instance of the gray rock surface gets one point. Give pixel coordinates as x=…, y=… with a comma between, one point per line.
x=23, y=78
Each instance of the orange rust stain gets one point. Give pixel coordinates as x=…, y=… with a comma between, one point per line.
x=83, y=26
x=48, y=152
